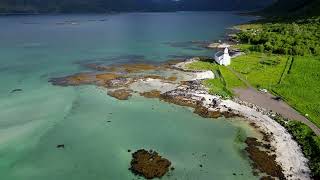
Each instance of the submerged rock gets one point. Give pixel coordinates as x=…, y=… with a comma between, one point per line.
x=121, y=94
x=73, y=80
x=149, y=164
x=16, y=90
x=60, y=146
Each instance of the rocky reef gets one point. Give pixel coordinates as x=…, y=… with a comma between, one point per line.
x=149, y=164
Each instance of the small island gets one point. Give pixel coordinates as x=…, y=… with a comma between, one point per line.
x=149, y=164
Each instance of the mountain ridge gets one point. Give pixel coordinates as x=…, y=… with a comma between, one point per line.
x=101, y=6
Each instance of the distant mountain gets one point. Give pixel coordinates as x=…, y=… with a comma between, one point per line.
x=224, y=5
x=294, y=7
x=74, y=6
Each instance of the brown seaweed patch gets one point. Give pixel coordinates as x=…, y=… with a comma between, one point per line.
x=120, y=94
x=74, y=80
x=106, y=76
x=132, y=68
x=262, y=160
x=100, y=67
x=151, y=94
x=172, y=78
x=149, y=164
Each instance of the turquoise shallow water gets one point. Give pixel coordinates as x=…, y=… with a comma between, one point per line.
x=34, y=121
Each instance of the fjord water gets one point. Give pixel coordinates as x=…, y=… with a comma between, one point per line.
x=96, y=129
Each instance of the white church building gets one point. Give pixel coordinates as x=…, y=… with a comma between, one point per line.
x=223, y=58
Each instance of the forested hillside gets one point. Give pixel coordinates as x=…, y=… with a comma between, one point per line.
x=294, y=7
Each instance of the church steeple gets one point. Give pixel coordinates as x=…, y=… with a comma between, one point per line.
x=226, y=51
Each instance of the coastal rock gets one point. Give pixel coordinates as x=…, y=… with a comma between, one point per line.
x=118, y=82
x=204, y=112
x=120, y=94
x=178, y=100
x=218, y=45
x=149, y=164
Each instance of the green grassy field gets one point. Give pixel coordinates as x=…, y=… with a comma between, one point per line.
x=298, y=85
x=301, y=86
x=261, y=70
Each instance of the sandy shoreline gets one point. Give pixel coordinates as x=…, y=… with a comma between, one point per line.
x=186, y=90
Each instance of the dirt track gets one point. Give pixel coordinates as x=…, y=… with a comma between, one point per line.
x=265, y=100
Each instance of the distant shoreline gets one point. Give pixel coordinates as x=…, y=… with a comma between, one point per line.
x=240, y=13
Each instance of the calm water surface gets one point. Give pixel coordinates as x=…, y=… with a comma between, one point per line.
x=33, y=121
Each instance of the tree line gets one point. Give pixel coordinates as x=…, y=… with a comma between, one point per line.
x=297, y=38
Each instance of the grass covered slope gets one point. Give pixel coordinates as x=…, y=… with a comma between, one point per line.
x=261, y=70
x=224, y=82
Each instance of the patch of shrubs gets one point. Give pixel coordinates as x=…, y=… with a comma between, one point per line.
x=300, y=38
